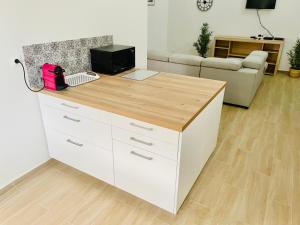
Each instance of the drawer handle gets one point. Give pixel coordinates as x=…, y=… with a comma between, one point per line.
x=141, y=156
x=141, y=142
x=72, y=119
x=74, y=143
x=142, y=127
x=69, y=106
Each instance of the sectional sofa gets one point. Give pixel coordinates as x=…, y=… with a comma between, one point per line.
x=243, y=76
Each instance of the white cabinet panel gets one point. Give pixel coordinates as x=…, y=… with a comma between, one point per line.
x=92, y=131
x=81, y=155
x=164, y=149
x=198, y=142
x=145, y=175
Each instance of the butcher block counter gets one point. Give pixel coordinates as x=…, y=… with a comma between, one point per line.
x=150, y=138
x=166, y=100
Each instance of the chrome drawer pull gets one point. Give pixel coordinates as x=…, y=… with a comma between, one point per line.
x=74, y=143
x=141, y=142
x=141, y=156
x=72, y=119
x=142, y=127
x=69, y=106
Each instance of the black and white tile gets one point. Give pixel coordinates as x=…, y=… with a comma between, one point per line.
x=72, y=55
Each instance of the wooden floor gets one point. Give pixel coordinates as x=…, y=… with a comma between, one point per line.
x=252, y=179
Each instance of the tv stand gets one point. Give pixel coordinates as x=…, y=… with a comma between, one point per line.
x=241, y=47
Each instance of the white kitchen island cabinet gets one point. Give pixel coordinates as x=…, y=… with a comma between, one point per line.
x=152, y=156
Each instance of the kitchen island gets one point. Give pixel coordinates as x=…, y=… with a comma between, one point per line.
x=150, y=138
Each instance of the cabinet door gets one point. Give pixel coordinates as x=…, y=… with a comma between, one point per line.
x=145, y=175
x=81, y=155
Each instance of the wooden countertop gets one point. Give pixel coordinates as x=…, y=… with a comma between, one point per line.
x=167, y=100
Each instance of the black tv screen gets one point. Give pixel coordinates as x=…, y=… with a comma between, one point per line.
x=261, y=4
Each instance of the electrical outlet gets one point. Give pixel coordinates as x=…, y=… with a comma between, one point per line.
x=12, y=60
x=21, y=58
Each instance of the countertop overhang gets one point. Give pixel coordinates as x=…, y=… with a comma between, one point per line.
x=168, y=100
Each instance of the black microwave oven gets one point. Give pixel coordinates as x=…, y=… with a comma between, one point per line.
x=112, y=59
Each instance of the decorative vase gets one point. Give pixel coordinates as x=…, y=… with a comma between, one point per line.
x=294, y=73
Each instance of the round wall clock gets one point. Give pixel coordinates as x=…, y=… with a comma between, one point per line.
x=204, y=5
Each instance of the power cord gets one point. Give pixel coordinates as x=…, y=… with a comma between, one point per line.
x=266, y=29
x=17, y=61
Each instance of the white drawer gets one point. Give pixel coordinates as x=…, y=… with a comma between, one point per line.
x=145, y=175
x=146, y=129
x=75, y=152
x=92, y=131
x=153, y=145
x=75, y=108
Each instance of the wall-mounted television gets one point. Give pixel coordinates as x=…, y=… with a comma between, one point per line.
x=261, y=4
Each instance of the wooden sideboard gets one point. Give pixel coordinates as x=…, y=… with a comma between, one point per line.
x=241, y=47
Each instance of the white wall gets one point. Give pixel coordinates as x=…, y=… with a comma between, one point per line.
x=158, y=17
x=230, y=18
x=22, y=141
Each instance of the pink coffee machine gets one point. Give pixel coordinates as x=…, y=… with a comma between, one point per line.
x=54, y=78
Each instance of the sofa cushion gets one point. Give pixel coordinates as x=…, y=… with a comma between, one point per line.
x=221, y=63
x=248, y=71
x=158, y=55
x=254, y=62
x=191, y=60
x=261, y=54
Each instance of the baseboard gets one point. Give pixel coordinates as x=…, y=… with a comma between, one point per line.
x=24, y=176
x=239, y=106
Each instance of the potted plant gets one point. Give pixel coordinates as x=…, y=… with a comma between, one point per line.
x=202, y=44
x=294, y=59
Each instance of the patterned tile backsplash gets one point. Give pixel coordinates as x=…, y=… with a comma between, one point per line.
x=72, y=55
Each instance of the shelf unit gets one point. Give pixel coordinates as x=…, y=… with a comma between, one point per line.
x=241, y=47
